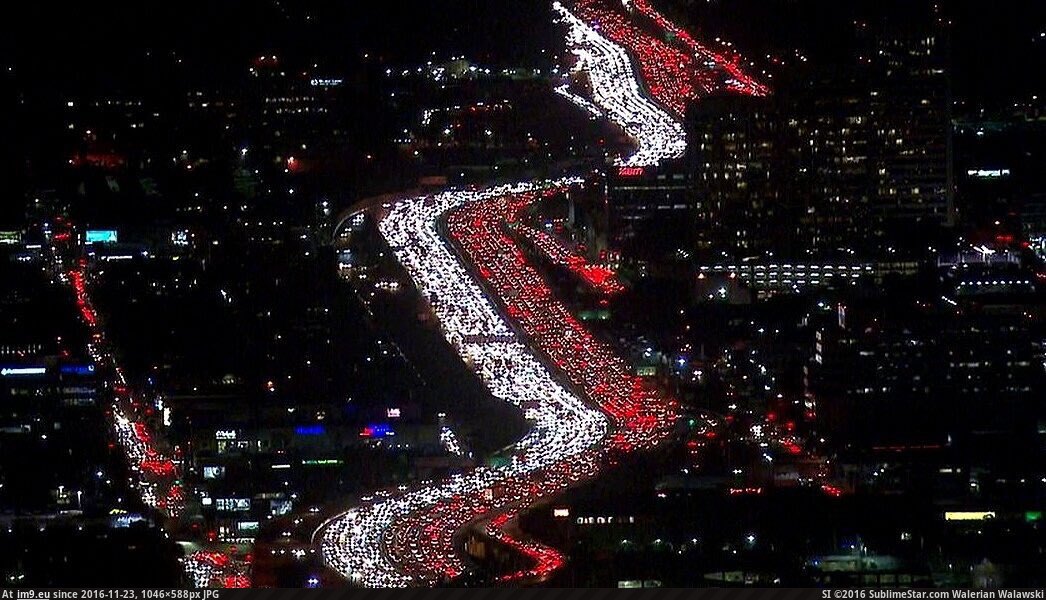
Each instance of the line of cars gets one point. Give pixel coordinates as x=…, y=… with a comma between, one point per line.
x=406, y=536
x=503, y=320
x=155, y=471
x=615, y=89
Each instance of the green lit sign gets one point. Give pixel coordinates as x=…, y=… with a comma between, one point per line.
x=498, y=461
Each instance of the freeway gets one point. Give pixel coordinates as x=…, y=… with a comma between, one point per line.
x=503, y=320
x=404, y=538
x=737, y=81
x=599, y=278
x=617, y=93
x=639, y=414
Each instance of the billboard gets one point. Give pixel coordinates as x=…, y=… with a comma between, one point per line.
x=125, y=520
x=18, y=371
x=233, y=504
x=101, y=236
x=279, y=508
x=959, y=515
x=87, y=369
x=378, y=430
x=310, y=430
x=213, y=471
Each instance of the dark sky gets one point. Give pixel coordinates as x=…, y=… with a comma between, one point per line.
x=51, y=47
x=106, y=42
x=996, y=48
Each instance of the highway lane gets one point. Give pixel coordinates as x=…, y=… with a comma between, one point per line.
x=618, y=94
x=406, y=538
x=730, y=62
x=502, y=319
x=640, y=416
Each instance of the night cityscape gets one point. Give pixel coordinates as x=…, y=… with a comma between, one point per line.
x=565, y=294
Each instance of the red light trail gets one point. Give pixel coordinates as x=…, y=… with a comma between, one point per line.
x=406, y=536
x=157, y=475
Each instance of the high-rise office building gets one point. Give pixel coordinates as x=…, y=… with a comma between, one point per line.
x=735, y=158
x=851, y=160
x=647, y=212
x=881, y=376
x=909, y=109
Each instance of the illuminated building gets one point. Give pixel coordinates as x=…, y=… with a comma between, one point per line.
x=986, y=272
x=828, y=131
x=866, y=569
x=1033, y=222
x=766, y=279
x=734, y=149
x=283, y=108
x=850, y=160
x=1000, y=187
x=910, y=114
x=924, y=377
x=647, y=210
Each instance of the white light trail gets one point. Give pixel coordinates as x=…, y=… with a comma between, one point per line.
x=616, y=91
x=357, y=543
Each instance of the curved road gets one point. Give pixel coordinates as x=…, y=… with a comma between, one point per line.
x=389, y=541
x=503, y=320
